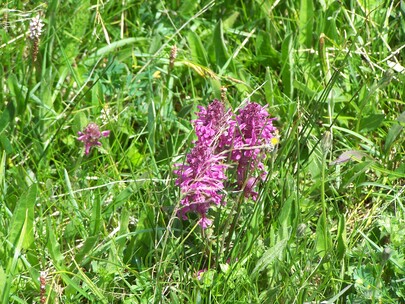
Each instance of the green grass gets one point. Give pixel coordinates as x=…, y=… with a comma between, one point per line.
x=103, y=227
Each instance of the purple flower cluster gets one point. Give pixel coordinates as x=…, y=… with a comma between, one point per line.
x=91, y=135
x=255, y=133
x=224, y=141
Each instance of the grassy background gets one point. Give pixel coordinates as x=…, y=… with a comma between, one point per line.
x=103, y=227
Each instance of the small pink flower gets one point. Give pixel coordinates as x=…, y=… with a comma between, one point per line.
x=91, y=135
x=200, y=273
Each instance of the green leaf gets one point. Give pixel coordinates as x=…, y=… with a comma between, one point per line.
x=392, y=135
x=371, y=122
x=230, y=21
x=111, y=48
x=24, y=213
x=323, y=239
x=269, y=88
x=3, y=279
x=21, y=236
x=188, y=8
x=79, y=122
x=401, y=118
x=15, y=90
x=72, y=285
x=5, y=119
x=304, y=88
x=3, y=173
x=96, y=217
x=87, y=246
x=394, y=132
x=124, y=221
x=53, y=246
x=306, y=21
x=286, y=218
x=221, y=53
x=287, y=74
x=198, y=53
x=151, y=125
x=341, y=238
x=265, y=51
x=269, y=256
x=118, y=201
x=134, y=155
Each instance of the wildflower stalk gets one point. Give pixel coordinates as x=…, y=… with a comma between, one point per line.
x=226, y=243
x=36, y=26
x=326, y=242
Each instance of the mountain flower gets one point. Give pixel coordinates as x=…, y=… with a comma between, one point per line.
x=91, y=135
x=224, y=141
x=255, y=132
x=36, y=26
x=201, y=181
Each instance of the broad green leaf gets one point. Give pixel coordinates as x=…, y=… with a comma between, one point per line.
x=287, y=72
x=79, y=23
x=285, y=218
x=323, y=239
x=3, y=279
x=341, y=238
x=381, y=84
x=265, y=51
x=369, y=5
x=5, y=118
x=306, y=21
x=155, y=44
x=2, y=173
x=146, y=235
x=85, y=249
x=16, y=253
x=134, y=156
x=350, y=155
x=230, y=21
x=392, y=135
x=24, y=214
x=304, y=88
x=75, y=285
x=371, y=122
x=187, y=8
x=216, y=87
x=198, y=53
x=124, y=221
x=96, y=217
x=401, y=118
x=221, y=53
x=315, y=165
x=394, y=132
x=79, y=122
x=151, y=125
x=111, y=48
x=271, y=255
x=15, y=90
x=269, y=88
x=53, y=245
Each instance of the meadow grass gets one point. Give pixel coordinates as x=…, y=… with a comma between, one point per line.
x=329, y=221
